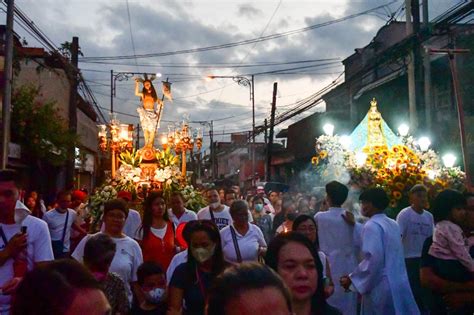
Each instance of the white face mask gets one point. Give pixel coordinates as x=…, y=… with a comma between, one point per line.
x=214, y=205
x=202, y=254
x=155, y=296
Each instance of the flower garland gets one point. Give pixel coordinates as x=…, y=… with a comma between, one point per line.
x=396, y=169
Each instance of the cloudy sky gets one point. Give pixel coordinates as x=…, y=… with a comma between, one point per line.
x=108, y=28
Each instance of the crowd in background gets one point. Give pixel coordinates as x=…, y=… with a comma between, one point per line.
x=256, y=252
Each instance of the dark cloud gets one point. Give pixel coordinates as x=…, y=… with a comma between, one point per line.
x=173, y=26
x=249, y=11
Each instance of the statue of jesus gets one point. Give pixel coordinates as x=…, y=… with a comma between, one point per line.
x=149, y=117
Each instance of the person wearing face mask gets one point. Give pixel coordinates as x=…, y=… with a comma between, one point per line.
x=152, y=283
x=215, y=211
x=99, y=252
x=191, y=280
x=262, y=219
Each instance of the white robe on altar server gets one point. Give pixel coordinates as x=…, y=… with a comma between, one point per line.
x=381, y=276
x=338, y=240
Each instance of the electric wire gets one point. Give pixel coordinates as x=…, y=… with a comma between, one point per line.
x=240, y=43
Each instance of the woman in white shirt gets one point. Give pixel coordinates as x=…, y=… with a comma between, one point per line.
x=128, y=255
x=306, y=225
x=242, y=241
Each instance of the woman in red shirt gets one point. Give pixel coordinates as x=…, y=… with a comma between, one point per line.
x=156, y=235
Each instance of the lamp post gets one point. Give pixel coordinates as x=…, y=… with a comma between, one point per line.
x=120, y=139
x=247, y=82
x=182, y=140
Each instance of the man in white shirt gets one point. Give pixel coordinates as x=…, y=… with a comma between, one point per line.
x=338, y=241
x=61, y=221
x=134, y=220
x=381, y=277
x=216, y=211
x=178, y=213
x=416, y=225
x=36, y=241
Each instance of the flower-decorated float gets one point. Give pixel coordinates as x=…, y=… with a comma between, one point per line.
x=149, y=168
x=373, y=155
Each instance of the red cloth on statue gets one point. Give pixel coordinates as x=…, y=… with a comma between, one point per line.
x=159, y=250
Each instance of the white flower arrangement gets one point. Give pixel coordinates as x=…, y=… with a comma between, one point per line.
x=193, y=197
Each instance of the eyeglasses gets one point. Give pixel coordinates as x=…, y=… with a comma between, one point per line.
x=306, y=229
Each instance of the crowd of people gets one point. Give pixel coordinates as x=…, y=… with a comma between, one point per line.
x=266, y=252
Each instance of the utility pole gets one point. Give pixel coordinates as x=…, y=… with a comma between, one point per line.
x=112, y=92
x=252, y=92
x=411, y=69
x=418, y=61
x=7, y=92
x=265, y=124
x=460, y=109
x=70, y=164
x=272, y=126
x=211, y=136
x=427, y=69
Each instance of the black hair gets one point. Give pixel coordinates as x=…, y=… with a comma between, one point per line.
x=152, y=92
x=318, y=301
x=257, y=197
x=148, y=212
x=303, y=218
x=418, y=188
x=377, y=196
x=337, y=193
x=99, y=250
x=147, y=269
x=9, y=175
x=218, y=263
x=116, y=204
x=237, y=206
x=230, y=191
x=51, y=288
x=236, y=280
x=445, y=201
x=177, y=194
x=63, y=193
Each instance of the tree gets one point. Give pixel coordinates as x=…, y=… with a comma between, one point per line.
x=39, y=128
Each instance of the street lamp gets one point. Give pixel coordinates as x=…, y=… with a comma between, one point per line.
x=120, y=139
x=328, y=129
x=403, y=130
x=449, y=159
x=424, y=143
x=182, y=140
x=244, y=81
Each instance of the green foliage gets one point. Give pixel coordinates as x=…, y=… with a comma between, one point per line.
x=39, y=128
x=131, y=158
x=166, y=158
